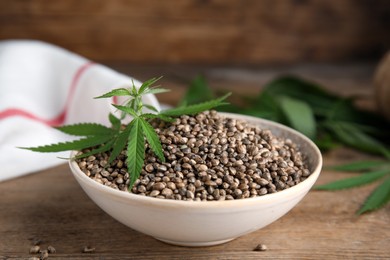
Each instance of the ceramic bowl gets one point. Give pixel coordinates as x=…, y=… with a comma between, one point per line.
x=191, y=223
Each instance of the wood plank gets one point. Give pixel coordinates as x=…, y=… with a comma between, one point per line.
x=204, y=32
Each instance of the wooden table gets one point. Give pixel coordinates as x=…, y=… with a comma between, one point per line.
x=50, y=205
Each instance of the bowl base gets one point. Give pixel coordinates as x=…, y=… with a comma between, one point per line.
x=194, y=244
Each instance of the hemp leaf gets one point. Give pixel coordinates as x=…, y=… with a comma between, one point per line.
x=99, y=138
x=152, y=138
x=73, y=145
x=197, y=92
x=378, y=198
x=299, y=115
x=135, y=150
x=86, y=129
x=197, y=108
x=356, y=181
x=371, y=171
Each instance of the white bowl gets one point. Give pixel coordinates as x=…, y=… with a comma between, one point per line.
x=197, y=223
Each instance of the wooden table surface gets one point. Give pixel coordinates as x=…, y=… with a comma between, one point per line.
x=50, y=206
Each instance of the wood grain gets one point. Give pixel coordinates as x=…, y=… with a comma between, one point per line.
x=204, y=32
x=51, y=206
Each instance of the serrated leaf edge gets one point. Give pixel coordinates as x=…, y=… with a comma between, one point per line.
x=153, y=139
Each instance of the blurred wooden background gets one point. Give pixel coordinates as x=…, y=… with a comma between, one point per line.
x=238, y=45
x=229, y=32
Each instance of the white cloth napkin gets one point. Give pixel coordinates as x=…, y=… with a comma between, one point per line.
x=42, y=85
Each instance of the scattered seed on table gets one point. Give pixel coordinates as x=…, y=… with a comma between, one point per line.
x=260, y=247
x=44, y=254
x=51, y=249
x=88, y=249
x=35, y=249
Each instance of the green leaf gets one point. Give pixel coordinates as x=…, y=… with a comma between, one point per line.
x=116, y=92
x=344, y=110
x=159, y=116
x=268, y=107
x=155, y=91
x=338, y=108
x=151, y=108
x=369, y=123
x=360, y=180
x=354, y=137
x=153, y=139
x=325, y=141
x=135, y=151
x=119, y=144
x=378, y=198
x=197, y=92
x=131, y=103
x=146, y=85
x=194, y=109
x=69, y=146
x=127, y=110
x=86, y=129
x=299, y=115
x=308, y=92
x=133, y=91
x=115, y=122
x=359, y=166
x=103, y=148
x=386, y=153
x=291, y=85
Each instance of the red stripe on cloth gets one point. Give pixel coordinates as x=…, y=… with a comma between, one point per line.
x=58, y=120
x=115, y=100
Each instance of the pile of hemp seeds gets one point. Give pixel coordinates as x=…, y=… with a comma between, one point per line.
x=208, y=157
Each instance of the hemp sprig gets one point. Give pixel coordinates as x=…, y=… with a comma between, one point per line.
x=99, y=138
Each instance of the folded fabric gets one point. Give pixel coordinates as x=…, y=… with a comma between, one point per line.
x=41, y=86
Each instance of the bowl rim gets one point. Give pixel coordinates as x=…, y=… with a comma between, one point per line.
x=294, y=191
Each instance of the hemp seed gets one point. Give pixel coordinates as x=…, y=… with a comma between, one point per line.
x=260, y=247
x=44, y=254
x=34, y=249
x=51, y=249
x=208, y=157
x=88, y=249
